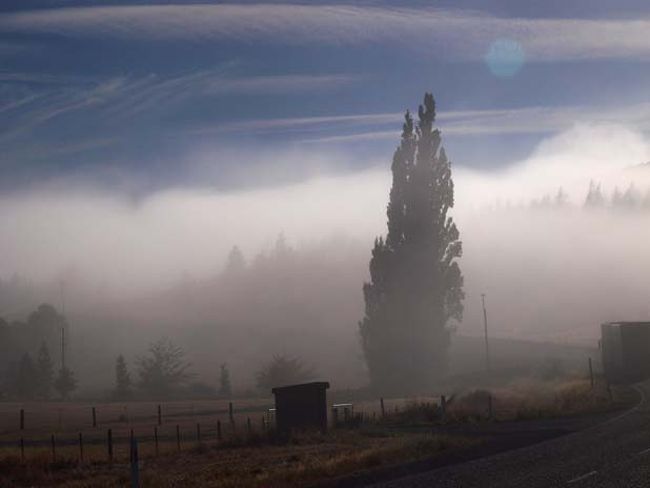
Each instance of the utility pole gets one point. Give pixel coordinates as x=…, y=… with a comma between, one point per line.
x=485, y=326
x=62, y=347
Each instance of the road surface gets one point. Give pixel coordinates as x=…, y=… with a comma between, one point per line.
x=615, y=453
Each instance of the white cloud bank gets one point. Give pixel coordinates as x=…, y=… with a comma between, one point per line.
x=456, y=33
x=552, y=274
x=108, y=237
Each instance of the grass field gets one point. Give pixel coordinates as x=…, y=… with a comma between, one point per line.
x=253, y=457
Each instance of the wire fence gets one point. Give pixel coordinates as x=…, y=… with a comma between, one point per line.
x=105, y=432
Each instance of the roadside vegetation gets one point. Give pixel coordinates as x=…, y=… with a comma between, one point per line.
x=410, y=430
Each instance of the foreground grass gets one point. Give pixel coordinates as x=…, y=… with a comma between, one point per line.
x=302, y=461
x=254, y=460
x=527, y=399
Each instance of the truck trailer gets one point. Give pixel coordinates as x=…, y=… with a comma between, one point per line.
x=625, y=348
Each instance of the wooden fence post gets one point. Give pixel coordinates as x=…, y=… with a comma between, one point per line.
x=383, y=410
x=53, y=440
x=94, y=417
x=109, y=444
x=443, y=407
x=135, y=464
x=159, y=415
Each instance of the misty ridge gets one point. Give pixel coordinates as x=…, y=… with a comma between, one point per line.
x=557, y=243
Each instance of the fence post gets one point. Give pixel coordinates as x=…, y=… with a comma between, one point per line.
x=218, y=430
x=94, y=417
x=155, y=438
x=490, y=405
x=53, y=440
x=109, y=443
x=22, y=450
x=178, y=438
x=135, y=464
x=443, y=407
x=22, y=419
x=131, y=447
x=383, y=410
x=159, y=414
x=81, y=447
x=591, y=374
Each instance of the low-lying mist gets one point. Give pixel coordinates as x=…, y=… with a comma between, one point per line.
x=551, y=268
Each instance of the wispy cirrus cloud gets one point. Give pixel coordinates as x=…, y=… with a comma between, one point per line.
x=522, y=120
x=120, y=98
x=458, y=34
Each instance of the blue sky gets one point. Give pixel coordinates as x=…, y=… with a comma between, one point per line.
x=139, y=96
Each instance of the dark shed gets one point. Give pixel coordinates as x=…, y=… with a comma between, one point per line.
x=301, y=406
x=626, y=351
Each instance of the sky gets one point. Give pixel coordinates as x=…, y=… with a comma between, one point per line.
x=142, y=97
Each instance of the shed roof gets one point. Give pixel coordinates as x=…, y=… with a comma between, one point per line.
x=303, y=386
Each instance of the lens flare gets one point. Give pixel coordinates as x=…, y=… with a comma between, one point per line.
x=505, y=58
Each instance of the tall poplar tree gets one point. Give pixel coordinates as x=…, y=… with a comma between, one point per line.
x=416, y=286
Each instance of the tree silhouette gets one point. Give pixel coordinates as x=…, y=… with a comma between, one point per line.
x=65, y=382
x=415, y=286
x=163, y=369
x=44, y=371
x=225, y=388
x=595, y=198
x=281, y=371
x=123, y=384
x=235, y=264
x=26, y=380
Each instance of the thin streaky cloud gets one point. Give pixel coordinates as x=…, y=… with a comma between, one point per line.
x=395, y=118
x=122, y=98
x=525, y=120
x=462, y=33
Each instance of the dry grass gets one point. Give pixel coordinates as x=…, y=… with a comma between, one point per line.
x=527, y=399
x=244, y=459
x=304, y=460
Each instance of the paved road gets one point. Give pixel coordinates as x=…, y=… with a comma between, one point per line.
x=615, y=453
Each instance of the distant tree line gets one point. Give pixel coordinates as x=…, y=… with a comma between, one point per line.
x=27, y=369
x=630, y=198
x=163, y=372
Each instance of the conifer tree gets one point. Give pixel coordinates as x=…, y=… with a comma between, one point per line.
x=123, y=383
x=44, y=371
x=26, y=385
x=416, y=286
x=225, y=388
x=235, y=264
x=65, y=382
x=595, y=196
